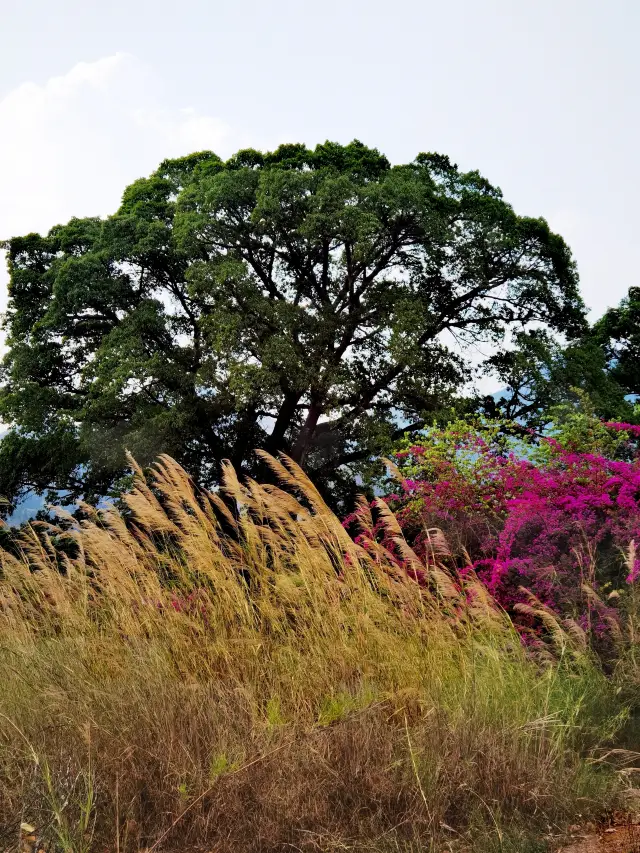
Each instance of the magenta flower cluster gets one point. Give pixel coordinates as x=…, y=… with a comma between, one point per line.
x=549, y=521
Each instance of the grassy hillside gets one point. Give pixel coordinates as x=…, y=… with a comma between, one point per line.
x=232, y=673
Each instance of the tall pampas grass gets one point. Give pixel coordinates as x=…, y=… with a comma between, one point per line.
x=232, y=671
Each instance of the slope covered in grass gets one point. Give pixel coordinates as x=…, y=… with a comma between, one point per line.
x=232, y=672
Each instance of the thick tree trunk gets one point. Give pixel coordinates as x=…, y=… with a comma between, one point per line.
x=305, y=436
x=283, y=421
x=246, y=433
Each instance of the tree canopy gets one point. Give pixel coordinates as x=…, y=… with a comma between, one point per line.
x=310, y=301
x=618, y=333
x=600, y=369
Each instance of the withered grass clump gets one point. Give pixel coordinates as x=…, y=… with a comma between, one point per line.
x=231, y=672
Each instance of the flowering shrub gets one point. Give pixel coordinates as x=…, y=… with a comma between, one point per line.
x=557, y=516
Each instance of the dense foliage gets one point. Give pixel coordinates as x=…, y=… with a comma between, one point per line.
x=310, y=301
x=539, y=373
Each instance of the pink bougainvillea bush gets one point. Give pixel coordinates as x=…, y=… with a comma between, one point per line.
x=557, y=516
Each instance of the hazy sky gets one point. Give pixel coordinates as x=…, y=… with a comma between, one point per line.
x=542, y=97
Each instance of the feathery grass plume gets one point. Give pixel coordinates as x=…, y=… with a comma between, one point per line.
x=481, y=607
x=631, y=560
x=393, y=469
x=605, y=613
x=564, y=633
x=363, y=515
x=575, y=631
x=145, y=506
x=388, y=519
x=291, y=474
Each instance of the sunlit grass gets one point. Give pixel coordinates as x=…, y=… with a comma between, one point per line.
x=232, y=672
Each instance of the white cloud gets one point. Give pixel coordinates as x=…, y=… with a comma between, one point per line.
x=69, y=147
x=186, y=129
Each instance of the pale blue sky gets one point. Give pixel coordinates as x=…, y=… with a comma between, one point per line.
x=541, y=96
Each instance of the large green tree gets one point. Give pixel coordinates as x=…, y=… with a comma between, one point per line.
x=311, y=301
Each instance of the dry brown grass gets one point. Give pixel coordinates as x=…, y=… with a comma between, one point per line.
x=231, y=672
